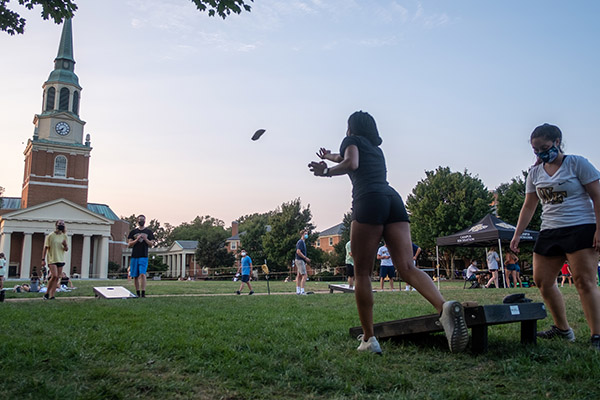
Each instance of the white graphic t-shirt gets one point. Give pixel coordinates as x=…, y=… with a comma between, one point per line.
x=564, y=199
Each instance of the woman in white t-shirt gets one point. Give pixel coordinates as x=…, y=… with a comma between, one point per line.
x=568, y=188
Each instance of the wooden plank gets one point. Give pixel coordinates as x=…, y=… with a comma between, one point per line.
x=478, y=318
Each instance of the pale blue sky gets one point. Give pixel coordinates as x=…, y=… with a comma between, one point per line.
x=176, y=95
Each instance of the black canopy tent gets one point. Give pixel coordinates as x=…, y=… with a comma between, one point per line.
x=489, y=231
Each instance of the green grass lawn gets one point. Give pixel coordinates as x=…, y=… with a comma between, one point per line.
x=270, y=347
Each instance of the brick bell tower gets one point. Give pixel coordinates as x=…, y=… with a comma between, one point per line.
x=57, y=158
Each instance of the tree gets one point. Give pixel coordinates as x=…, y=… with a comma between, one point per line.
x=280, y=243
x=510, y=200
x=211, y=252
x=11, y=22
x=252, y=230
x=444, y=203
x=340, y=247
x=1, y=194
x=210, y=234
x=156, y=264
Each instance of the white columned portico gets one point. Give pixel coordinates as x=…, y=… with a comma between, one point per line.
x=5, y=248
x=96, y=247
x=85, y=257
x=26, y=255
x=103, y=257
x=67, y=267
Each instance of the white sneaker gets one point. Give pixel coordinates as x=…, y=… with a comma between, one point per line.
x=414, y=290
x=371, y=345
x=455, y=326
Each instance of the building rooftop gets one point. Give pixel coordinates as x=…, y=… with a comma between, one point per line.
x=334, y=230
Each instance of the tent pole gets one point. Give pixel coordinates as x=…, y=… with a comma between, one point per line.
x=501, y=263
x=437, y=264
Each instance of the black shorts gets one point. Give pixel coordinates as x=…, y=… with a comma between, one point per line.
x=245, y=278
x=59, y=265
x=561, y=241
x=387, y=270
x=379, y=209
x=350, y=270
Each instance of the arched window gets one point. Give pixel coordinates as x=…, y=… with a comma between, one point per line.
x=60, y=166
x=50, y=95
x=63, y=103
x=75, y=103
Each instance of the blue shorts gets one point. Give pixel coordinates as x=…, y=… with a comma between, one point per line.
x=511, y=267
x=139, y=266
x=245, y=278
x=387, y=270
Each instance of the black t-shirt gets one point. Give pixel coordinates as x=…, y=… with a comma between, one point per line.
x=64, y=281
x=140, y=249
x=371, y=175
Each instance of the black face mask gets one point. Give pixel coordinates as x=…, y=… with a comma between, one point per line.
x=141, y=222
x=60, y=228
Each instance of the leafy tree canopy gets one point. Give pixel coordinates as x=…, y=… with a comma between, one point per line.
x=252, y=229
x=444, y=203
x=279, y=244
x=211, y=234
x=510, y=200
x=11, y=21
x=340, y=247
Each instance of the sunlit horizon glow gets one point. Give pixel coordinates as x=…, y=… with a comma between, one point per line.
x=171, y=97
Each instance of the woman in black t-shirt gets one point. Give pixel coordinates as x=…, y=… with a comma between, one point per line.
x=378, y=211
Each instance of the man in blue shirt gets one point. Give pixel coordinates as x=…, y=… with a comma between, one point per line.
x=300, y=261
x=246, y=269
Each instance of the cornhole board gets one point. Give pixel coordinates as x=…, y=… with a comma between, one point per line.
x=113, y=292
x=478, y=318
x=344, y=287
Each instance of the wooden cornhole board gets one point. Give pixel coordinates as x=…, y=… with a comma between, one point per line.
x=344, y=287
x=478, y=318
x=113, y=292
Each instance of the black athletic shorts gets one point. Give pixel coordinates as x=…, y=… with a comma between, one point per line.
x=59, y=265
x=561, y=241
x=350, y=270
x=379, y=209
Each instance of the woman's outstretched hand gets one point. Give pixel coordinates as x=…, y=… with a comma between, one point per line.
x=323, y=153
x=317, y=168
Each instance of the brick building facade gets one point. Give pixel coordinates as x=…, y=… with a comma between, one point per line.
x=55, y=185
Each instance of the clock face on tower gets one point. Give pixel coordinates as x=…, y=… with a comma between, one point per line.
x=62, y=128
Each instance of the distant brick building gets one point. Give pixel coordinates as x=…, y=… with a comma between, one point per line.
x=55, y=185
x=329, y=238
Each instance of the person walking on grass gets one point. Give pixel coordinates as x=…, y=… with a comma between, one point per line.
x=53, y=255
x=245, y=269
x=349, y=266
x=378, y=211
x=566, y=274
x=386, y=269
x=569, y=189
x=300, y=262
x=512, y=269
x=492, y=262
x=140, y=239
